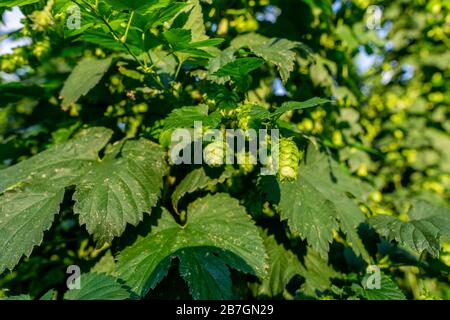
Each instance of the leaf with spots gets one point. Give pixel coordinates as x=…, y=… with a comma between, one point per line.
x=387, y=289
x=317, y=203
x=195, y=180
x=85, y=76
x=32, y=190
x=206, y=274
x=24, y=216
x=428, y=226
x=60, y=163
x=118, y=189
x=277, y=51
x=97, y=286
x=283, y=266
x=216, y=223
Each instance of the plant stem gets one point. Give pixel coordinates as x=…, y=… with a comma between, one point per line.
x=125, y=36
x=180, y=62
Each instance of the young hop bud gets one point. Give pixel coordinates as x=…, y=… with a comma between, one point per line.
x=42, y=19
x=289, y=159
x=41, y=48
x=214, y=153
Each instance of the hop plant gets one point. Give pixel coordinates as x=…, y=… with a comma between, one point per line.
x=289, y=158
x=41, y=48
x=214, y=153
x=43, y=19
x=12, y=62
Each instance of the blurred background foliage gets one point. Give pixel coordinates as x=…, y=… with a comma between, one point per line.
x=389, y=125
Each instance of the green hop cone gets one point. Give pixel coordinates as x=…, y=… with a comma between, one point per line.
x=42, y=20
x=289, y=159
x=214, y=153
x=41, y=48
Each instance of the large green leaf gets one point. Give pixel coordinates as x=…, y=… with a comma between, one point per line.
x=194, y=21
x=24, y=216
x=85, y=76
x=220, y=59
x=317, y=203
x=195, y=180
x=206, y=274
x=283, y=266
x=239, y=67
x=295, y=105
x=181, y=39
x=35, y=189
x=276, y=51
x=97, y=286
x=186, y=116
x=59, y=163
x=427, y=227
x=317, y=274
x=388, y=290
x=118, y=189
x=216, y=222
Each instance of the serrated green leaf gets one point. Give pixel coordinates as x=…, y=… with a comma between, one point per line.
x=194, y=21
x=220, y=59
x=181, y=41
x=178, y=38
x=295, y=105
x=186, y=116
x=58, y=163
x=239, y=67
x=388, y=290
x=427, y=227
x=85, y=76
x=317, y=202
x=283, y=266
x=217, y=222
x=206, y=274
x=276, y=51
x=24, y=216
x=313, y=220
x=118, y=189
x=97, y=286
x=35, y=188
x=195, y=180
x=317, y=274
